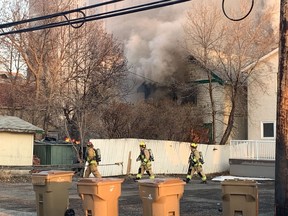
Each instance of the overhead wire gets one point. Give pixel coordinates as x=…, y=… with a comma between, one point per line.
x=237, y=19
x=84, y=18
x=72, y=22
x=76, y=26
x=54, y=15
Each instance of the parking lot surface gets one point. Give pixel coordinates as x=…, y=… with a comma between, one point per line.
x=18, y=198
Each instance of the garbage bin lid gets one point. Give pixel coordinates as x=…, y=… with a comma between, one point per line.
x=99, y=180
x=43, y=177
x=53, y=172
x=161, y=181
x=239, y=182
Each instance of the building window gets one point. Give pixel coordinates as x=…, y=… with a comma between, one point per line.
x=268, y=130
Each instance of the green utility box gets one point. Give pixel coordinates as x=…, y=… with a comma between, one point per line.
x=54, y=154
x=51, y=189
x=161, y=196
x=239, y=198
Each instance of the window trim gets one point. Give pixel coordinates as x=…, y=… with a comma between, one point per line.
x=262, y=129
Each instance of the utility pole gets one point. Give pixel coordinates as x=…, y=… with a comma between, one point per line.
x=281, y=162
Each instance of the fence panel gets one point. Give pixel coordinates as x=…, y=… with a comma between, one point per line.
x=171, y=157
x=252, y=149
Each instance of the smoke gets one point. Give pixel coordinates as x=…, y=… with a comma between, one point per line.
x=153, y=39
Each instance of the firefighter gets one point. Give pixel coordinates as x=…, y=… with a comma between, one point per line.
x=195, y=165
x=145, y=159
x=92, y=163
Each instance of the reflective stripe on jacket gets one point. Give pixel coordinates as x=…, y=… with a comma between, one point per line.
x=91, y=156
x=144, y=156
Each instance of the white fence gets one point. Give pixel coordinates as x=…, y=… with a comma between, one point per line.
x=119, y=156
x=252, y=149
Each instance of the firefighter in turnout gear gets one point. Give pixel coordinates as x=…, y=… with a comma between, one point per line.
x=145, y=159
x=195, y=165
x=92, y=163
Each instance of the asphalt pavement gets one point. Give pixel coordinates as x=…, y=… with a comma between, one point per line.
x=18, y=199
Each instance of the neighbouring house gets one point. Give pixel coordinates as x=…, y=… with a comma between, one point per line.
x=16, y=141
x=6, y=76
x=262, y=98
x=256, y=156
x=13, y=93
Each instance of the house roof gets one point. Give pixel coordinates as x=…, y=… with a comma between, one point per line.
x=7, y=75
x=215, y=77
x=15, y=124
x=276, y=50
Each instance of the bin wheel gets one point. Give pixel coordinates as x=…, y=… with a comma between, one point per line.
x=69, y=212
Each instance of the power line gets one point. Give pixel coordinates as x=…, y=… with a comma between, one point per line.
x=237, y=19
x=71, y=22
x=50, y=16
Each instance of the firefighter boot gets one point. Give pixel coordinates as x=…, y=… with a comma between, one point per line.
x=203, y=178
x=139, y=176
x=187, y=180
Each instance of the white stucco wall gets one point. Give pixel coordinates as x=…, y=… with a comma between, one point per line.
x=203, y=101
x=16, y=149
x=223, y=107
x=170, y=157
x=262, y=97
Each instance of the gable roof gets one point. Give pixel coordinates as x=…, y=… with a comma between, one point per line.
x=15, y=124
x=214, y=78
x=7, y=75
x=263, y=58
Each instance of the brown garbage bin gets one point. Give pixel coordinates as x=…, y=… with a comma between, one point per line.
x=161, y=196
x=239, y=198
x=100, y=195
x=51, y=189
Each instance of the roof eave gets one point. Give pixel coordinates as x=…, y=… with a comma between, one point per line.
x=21, y=131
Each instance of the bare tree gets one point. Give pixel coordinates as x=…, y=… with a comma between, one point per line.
x=226, y=48
x=12, y=64
x=162, y=119
x=72, y=72
x=43, y=53
x=96, y=73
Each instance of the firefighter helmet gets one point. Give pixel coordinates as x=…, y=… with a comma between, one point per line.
x=193, y=145
x=142, y=144
x=90, y=144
